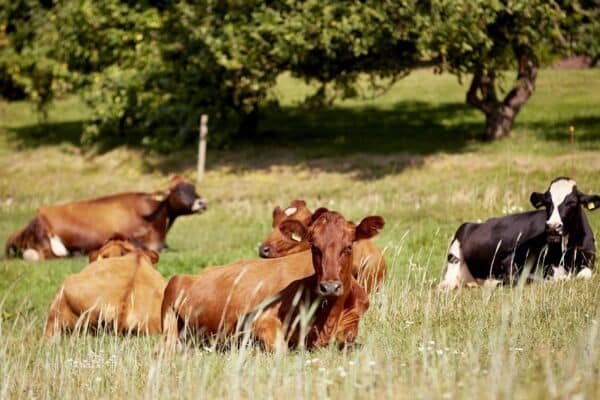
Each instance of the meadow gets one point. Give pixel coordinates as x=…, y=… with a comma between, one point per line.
x=411, y=156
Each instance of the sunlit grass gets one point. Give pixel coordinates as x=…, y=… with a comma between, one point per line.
x=538, y=341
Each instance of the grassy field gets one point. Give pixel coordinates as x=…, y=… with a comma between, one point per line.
x=410, y=156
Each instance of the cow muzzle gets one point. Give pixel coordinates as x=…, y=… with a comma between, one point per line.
x=199, y=206
x=554, y=232
x=264, y=251
x=331, y=288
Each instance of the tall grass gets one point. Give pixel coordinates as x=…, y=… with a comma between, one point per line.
x=536, y=341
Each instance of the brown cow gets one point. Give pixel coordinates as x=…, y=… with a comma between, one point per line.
x=121, y=291
x=212, y=302
x=369, y=265
x=320, y=300
x=57, y=231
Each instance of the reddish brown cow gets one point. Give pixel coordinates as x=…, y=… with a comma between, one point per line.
x=369, y=266
x=121, y=291
x=214, y=301
x=279, y=324
x=57, y=231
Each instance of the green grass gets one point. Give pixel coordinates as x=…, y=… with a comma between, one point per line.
x=410, y=156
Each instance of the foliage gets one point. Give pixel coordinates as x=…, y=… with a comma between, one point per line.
x=149, y=69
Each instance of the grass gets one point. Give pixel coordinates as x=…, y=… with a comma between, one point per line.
x=409, y=156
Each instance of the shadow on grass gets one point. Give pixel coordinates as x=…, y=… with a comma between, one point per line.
x=587, y=131
x=383, y=141
x=45, y=134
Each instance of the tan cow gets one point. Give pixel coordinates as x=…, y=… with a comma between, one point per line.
x=120, y=291
x=369, y=265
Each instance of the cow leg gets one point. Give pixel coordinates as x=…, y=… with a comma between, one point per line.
x=269, y=330
x=60, y=315
x=173, y=326
x=355, y=307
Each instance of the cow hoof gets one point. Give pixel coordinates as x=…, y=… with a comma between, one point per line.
x=31, y=255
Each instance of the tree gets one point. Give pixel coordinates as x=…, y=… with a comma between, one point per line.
x=486, y=38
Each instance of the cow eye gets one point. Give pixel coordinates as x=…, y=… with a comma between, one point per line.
x=348, y=249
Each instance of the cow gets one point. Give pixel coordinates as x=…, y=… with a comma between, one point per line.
x=558, y=240
x=369, y=265
x=61, y=230
x=312, y=311
x=119, y=291
x=212, y=303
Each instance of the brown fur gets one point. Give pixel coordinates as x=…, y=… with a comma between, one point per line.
x=123, y=292
x=369, y=266
x=214, y=301
x=277, y=325
x=86, y=225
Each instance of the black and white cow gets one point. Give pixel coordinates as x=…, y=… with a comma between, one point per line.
x=558, y=239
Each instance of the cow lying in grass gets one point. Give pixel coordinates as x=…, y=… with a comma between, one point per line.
x=558, y=240
x=59, y=230
x=119, y=291
x=368, y=267
x=214, y=302
x=311, y=312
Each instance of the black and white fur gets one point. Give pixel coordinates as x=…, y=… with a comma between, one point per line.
x=558, y=239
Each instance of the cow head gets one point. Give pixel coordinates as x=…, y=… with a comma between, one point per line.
x=279, y=245
x=331, y=239
x=119, y=246
x=562, y=202
x=182, y=198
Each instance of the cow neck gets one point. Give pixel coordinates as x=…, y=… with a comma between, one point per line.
x=161, y=217
x=576, y=230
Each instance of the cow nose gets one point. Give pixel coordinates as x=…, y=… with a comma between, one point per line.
x=555, y=226
x=263, y=251
x=199, y=205
x=330, y=288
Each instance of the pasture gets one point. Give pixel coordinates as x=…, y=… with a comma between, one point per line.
x=409, y=156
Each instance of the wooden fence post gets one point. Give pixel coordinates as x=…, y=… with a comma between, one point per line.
x=202, y=147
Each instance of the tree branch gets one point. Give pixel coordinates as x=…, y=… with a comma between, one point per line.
x=482, y=84
x=526, y=77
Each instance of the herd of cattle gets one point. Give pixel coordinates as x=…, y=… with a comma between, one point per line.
x=312, y=283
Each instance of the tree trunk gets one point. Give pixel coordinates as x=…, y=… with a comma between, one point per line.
x=500, y=114
x=498, y=123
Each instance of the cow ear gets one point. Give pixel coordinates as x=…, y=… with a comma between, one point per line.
x=152, y=255
x=537, y=199
x=298, y=203
x=176, y=180
x=278, y=215
x=293, y=230
x=591, y=202
x=368, y=227
x=317, y=214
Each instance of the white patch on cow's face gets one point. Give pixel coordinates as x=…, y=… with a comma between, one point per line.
x=57, y=247
x=290, y=211
x=585, y=273
x=31, y=255
x=199, y=205
x=558, y=191
x=457, y=273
